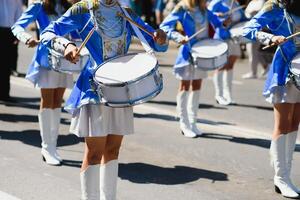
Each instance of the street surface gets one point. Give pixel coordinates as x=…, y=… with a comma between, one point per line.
x=230, y=162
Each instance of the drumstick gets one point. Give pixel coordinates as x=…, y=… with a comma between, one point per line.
x=136, y=24
x=194, y=35
x=286, y=39
x=231, y=6
x=234, y=10
x=85, y=40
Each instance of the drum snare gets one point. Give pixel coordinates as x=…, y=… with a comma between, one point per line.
x=209, y=54
x=128, y=80
x=60, y=64
x=295, y=70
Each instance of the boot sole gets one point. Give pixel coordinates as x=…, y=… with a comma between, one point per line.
x=44, y=159
x=277, y=190
x=186, y=136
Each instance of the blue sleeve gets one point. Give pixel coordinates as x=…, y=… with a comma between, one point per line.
x=216, y=6
x=213, y=19
x=150, y=40
x=64, y=25
x=169, y=25
x=254, y=26
x=27, y=17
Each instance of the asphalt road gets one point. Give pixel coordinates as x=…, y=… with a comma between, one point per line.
x=230, y=162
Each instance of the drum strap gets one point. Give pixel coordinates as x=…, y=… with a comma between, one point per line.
x=144, y=42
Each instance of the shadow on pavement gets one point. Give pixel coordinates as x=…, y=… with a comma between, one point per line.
x=25, y=118
x=21, y=105
x=151, y=174
x=201, y=106
x=33, y=138
x=174, y=118
x=71, y=163
x=264, y=143
x=267, y=108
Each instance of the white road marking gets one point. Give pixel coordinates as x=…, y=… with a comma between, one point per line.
x=6, y=196
x=146, y=108
x=229, y=130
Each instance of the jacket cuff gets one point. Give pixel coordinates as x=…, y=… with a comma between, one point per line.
x=59, y=44
x=23, y=36
x=263, y=37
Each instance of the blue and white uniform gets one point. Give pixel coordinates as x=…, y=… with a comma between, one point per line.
x=223, y=6
x=192, y=21
x=39, y=72
x=278, y=88
x=112, y=38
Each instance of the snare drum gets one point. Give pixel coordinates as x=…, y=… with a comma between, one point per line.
x=295, y=70
x=128, y=80
x=237, y=33
x=209, y=54
x=60, y=64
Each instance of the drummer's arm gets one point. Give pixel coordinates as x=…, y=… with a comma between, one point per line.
x=214, y=20
x=159, y=42
x=52, y=36
x=253, y=29
x=18, y=29
x=169, y=25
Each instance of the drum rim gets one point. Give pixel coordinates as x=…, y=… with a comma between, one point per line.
x=212, y=39
x=52, y=52
x=291, y=65
x=136, y=101
x=123, y=84
x=218, y=67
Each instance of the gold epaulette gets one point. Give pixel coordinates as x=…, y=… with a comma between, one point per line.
x=82, y=7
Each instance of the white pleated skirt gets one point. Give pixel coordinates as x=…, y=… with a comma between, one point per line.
x=52, y=79
x=191, y=73
x=290, y=94
x=100, y=121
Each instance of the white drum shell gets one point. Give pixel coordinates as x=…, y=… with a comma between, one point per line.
x=131, y=93
x=295, y=70
x=60, y=64
x=213, y=61
x=295, y=65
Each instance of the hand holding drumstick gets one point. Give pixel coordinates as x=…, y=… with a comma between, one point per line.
x=278, y=40
x=32, y=42
x=71, y=53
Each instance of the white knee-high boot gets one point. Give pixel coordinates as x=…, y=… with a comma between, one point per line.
x=48, y=152
x=89, y=179
x=278, y=160
x=218, y=83
x=55, y=120
x=108, y=180
x=182, y=100
x=291, y=139
x=227, y=85
x=193, y=105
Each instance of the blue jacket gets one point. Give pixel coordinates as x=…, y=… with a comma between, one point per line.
x=223, y=6
x=183, y=15
x=273, y=16
x=35, y=12
x=84, y=91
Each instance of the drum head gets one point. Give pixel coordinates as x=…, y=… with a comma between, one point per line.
x=237, y=29
x=125, y=68
x=295, y=65
x=209, y=48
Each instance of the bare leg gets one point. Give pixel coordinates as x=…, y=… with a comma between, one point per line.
x=109, y=167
